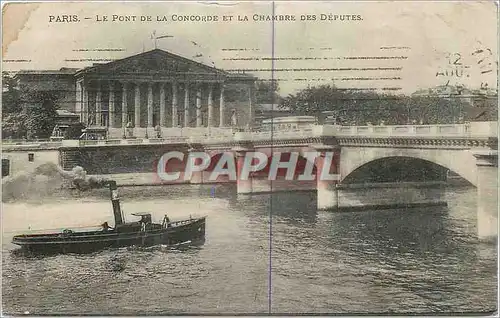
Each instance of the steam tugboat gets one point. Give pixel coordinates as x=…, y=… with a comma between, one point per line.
x=141, y=233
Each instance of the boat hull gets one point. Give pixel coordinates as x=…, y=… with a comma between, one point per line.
x=87, y=242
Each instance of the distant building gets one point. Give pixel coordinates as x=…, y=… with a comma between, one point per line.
x=450, y=92
x=62, y=81
x=267, y=111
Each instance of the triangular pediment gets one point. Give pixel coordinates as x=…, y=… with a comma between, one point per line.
x=154, y=62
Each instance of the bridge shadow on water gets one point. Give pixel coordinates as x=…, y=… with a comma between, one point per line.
x=393, y=231
x=294, y=208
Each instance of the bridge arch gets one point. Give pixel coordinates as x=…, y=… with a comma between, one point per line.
x=462, y=162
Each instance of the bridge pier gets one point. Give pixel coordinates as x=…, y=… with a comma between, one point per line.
x=196, y=177
x=243, y=185
x=326, y=183
x=487, y=195
x=266, y=171
x=261, y=184
x=327, y=195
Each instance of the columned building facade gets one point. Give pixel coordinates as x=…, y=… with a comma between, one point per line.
x=142, y=103
x=150, y=91
x=157, y=89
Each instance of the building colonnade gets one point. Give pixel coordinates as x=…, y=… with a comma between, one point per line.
x=128, y=104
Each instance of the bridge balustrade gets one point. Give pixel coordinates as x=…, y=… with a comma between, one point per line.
x=134, y=141
x=401, y=129
x=90, y=142
x=267, y=135
x=27, y=144
x=220, y=135
x=113, y=141
x=462, y=130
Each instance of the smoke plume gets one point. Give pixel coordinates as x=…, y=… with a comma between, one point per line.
x=77, y=177
x=46, y=180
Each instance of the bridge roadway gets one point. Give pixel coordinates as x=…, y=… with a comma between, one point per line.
x=469, y=150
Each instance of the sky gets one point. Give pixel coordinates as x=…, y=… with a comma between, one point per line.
x=399, y=46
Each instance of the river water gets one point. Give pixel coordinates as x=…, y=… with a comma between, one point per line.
x=419, y=260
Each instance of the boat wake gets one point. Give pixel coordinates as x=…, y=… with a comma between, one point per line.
x=188, y=245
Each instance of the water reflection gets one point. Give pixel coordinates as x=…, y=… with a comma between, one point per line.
x=405, y=260
x=392, y=231
x=294, y=210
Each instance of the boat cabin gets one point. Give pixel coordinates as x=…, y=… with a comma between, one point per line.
x=145, y=223
x=128, y=227
x=145, y=217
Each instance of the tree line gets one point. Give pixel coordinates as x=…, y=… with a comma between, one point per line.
x=356, y=107
x=27, y=113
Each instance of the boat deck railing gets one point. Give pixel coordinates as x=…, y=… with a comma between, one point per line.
x=183, y=222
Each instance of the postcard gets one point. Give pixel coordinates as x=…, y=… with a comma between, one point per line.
x=249, y=158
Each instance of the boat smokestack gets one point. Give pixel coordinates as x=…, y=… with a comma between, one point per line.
x=115, y=201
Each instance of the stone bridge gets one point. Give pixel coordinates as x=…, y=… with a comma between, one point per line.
x=401, y=155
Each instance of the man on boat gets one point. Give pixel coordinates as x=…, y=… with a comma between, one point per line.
x=166, y=221
x=146, y=223
x=105, y=227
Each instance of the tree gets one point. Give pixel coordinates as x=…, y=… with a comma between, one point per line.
x=10, y=95
x=266, y=92
x=236, y=92
x=13, y=125
x=13, y=117
x=485, y=108
x=27, y=113
x=41, y=112
x=351, y=106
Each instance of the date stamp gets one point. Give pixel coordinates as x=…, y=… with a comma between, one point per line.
x=469, y=69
